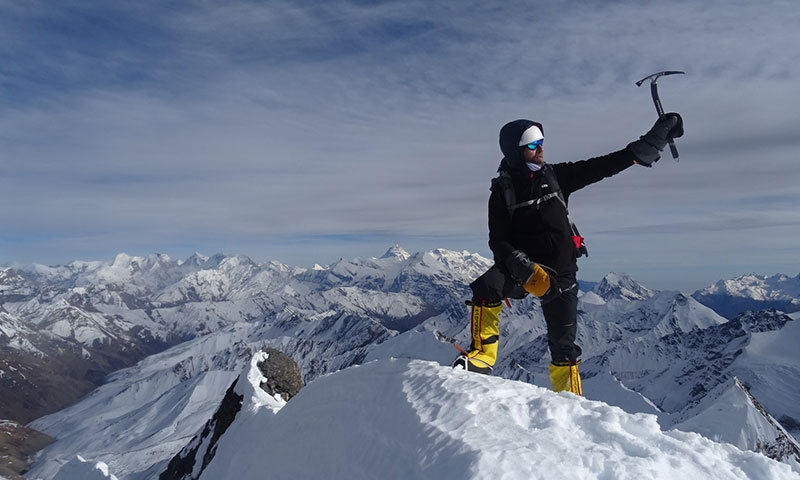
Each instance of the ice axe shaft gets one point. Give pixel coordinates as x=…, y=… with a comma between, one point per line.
x=657, y=101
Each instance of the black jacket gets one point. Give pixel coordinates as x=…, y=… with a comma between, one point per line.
x=544, y=233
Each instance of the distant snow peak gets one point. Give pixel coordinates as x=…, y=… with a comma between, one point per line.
x=121, y=260
x=235, y=261
x=134, y=263
x=758, y=287
x=397, y=252
x=752, y=292
x=621, y=286
x=195, y=260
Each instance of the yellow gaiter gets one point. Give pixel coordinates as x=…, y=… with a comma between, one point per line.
x=485, y=324
x=564, y=377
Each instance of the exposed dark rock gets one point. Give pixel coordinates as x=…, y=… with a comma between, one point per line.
x=763, y=321
x=17, y=444
x=82, y=301
x=183, y=464
x=784, y=447
x=282, y=373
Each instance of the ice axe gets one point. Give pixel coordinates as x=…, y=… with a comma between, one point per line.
x=654, y=90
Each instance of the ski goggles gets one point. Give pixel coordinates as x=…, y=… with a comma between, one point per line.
x=535, y=145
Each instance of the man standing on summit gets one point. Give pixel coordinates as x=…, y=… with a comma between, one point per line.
x=535, y=244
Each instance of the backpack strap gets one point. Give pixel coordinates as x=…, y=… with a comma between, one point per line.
x=576, y=235
x=503, y=182
x=536, y=201
x=550, y=175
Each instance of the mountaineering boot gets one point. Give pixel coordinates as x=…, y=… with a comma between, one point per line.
x=564, y=377
x=460, y=362
x=485, y=327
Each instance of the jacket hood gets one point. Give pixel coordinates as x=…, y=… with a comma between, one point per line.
x=510, y=135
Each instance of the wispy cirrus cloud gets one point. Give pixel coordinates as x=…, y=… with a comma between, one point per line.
x=239, y=126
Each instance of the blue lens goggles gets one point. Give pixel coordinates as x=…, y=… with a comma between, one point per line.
x=535, y=145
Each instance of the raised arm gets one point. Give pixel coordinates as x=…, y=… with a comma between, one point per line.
x=573, y=176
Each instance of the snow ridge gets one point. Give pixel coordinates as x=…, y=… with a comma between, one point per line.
x=416, y=419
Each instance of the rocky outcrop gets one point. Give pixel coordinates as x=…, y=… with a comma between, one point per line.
x=280, y=376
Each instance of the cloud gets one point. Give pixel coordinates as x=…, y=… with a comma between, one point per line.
x=216, y=126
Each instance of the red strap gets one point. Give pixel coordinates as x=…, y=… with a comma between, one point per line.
x=507, y=302
x=573, y=383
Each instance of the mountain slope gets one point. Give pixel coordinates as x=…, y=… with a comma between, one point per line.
x=17, y=444
x=733, y=415
x=146, y=413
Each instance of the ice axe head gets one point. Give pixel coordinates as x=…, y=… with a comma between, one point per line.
x=659, y=109
x=654, y=77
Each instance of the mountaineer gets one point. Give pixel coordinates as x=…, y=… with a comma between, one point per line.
x=536, y=246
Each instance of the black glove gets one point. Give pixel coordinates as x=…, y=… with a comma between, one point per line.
x=647, y=149
x=537, y=279
x=519, y=266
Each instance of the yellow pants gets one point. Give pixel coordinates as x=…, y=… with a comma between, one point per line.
x=564, y=377
x=485, y=325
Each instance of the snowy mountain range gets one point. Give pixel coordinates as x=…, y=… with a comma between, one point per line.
x=661, y=353
x=752, y=292
x=65, y=328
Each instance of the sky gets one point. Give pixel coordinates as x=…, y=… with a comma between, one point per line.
x=304, y=132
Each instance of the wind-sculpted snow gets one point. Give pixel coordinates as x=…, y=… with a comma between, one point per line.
x=415, y=419
x=667, y=354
